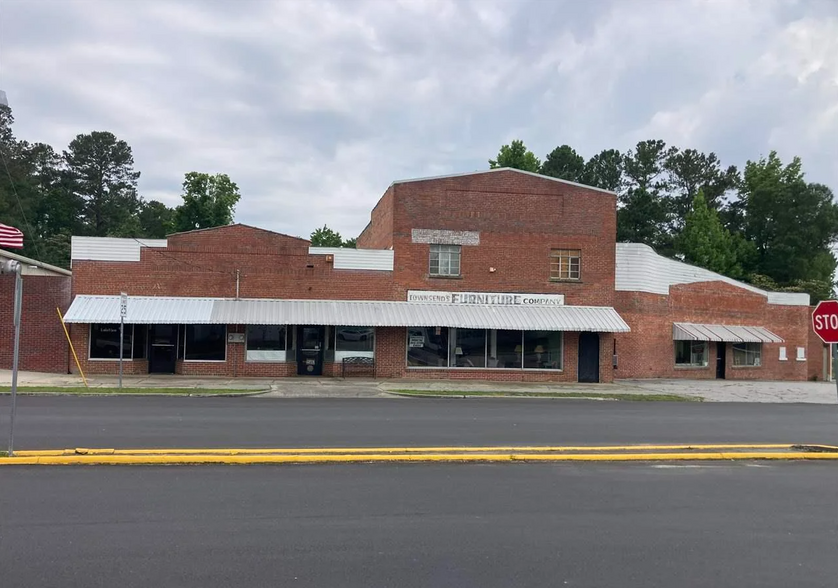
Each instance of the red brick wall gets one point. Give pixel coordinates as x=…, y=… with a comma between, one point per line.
x=520, y=218
x=649, y=351
x=43, y=345
x=378, y=234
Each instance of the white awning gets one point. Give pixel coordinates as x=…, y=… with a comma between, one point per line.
x=182, y=310
x=729, y=333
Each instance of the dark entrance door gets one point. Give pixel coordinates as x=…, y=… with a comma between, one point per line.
x=721, y=358
x=589, y=357
x=162, y=352
x=310, y=350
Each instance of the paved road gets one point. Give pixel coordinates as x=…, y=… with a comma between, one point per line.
x=420, y=525
x=50, y=422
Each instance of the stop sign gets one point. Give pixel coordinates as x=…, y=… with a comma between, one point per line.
x=825, y=320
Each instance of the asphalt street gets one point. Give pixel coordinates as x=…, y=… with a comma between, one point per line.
x=149, y=422
x=538, y=525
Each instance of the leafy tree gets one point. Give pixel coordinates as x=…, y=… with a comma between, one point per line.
x=705, y=242
x=156, y=220
x=100, y=171
x=209, y=200
x=517, y=156
x=326, y=237
x=605, y=170
x=350, y=243
x=791, y=222
x=563, y=162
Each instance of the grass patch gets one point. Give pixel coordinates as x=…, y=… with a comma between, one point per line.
x=4, y=454
x=597, y=395
x=81, y=390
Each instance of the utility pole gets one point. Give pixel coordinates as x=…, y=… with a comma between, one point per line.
x=123, y=310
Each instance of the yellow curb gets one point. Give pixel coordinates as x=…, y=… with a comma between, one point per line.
x=422, y=457
x=372, y=450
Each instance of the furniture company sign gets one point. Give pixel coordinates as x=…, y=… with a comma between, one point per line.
x=488, y=298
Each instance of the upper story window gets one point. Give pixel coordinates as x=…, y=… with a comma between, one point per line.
x=445, y=260
x=565, y=264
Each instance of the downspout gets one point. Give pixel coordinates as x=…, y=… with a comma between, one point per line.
x=237, y=284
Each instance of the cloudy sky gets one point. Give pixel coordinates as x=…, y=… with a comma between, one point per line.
x=313, y=107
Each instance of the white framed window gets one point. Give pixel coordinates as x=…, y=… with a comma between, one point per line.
x=783, y=355
x=691, y=353
x=565, y=264
x=801, y=354
x=747, y=354
x=266, y=343
x=445, y=260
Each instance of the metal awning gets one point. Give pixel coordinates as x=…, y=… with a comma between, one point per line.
x=729, y=333
x=360, y=313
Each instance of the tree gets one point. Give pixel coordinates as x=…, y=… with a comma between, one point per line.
x=690, y=172
x=517, y=156
x=326, y=237
x=791, y=222
x=605, y=170
x=156, y=220
x=564, y=163
x=705, y=242
x=209, y=200
x=350, y=243
x=643, y=216
x=100, y=171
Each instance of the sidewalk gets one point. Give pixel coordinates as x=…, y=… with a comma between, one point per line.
x=708, y=390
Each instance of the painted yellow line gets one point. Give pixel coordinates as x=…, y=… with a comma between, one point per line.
x=360, y=450
x=421, y=457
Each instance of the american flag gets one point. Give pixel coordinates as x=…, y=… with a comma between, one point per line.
x=10, y=237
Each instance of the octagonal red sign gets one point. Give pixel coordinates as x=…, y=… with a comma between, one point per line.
x=825, y=320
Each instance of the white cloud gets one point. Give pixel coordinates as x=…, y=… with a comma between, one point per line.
x=314, y=107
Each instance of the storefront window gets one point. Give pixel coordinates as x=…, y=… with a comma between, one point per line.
x=747, y=354
x=543, y=350
x=140, y=341
x=104, y=341
x=266, y=343
x=505, y=349
x=354, y=338
x=206, y=343
x=468, y=347
x=691, y=353
x=427, y=347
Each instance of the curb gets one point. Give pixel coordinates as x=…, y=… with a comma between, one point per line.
x=139, y=394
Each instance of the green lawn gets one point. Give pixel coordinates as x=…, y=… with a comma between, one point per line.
x=103, y=391
x=597, y=395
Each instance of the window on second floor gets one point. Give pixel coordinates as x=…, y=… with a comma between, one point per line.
x=565, y=264
x=445, y=260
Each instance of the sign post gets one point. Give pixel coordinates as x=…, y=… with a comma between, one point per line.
x=123, y=310
x=14, y=267
x=825, y=325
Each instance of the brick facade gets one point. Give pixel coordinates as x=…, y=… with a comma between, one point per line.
x=507, y=223
x=43, y=345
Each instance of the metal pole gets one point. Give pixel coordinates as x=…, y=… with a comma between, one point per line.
x=832, y=350
x=16, y=356
x=121, y=344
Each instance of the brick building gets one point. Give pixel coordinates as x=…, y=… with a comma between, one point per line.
x=497, y=275
x=46, y=288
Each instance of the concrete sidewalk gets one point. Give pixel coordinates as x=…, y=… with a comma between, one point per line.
x=708, y=390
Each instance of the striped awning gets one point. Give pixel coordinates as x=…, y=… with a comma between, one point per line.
x=351, y=313
x=728, y=333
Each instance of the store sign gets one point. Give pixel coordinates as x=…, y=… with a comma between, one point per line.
x=417, y=341
x=490, y=298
